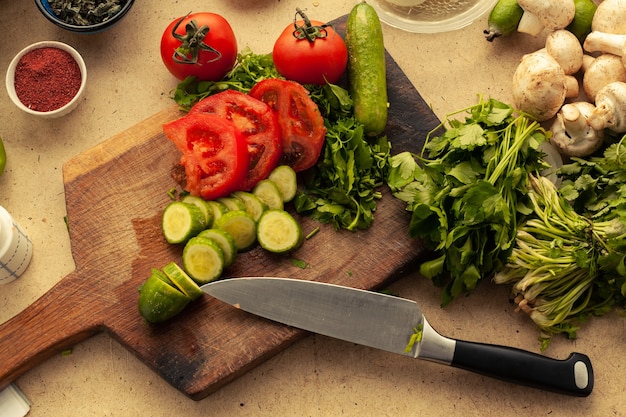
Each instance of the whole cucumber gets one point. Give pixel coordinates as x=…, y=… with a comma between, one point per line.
x=367, y=76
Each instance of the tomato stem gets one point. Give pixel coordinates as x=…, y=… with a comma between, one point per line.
x=192, y=42
x=308, y=31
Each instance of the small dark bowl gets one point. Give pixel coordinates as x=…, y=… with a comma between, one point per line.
x=46, y=10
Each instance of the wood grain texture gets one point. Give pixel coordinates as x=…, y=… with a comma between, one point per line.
x=115, y=193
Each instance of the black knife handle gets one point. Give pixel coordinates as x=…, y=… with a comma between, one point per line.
x=571, y=376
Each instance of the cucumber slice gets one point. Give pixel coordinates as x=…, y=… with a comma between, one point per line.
x=279, y=232
x=203, y=259
x=183, y=281
x=203, y=206
x=217, y=209
x=241, y=226
x=159, y=301
x=181, y=221
x=253, y=204
x=269, y=193
x=285, y=179
x=161, y=275
x=232, y=203
x=224, y=241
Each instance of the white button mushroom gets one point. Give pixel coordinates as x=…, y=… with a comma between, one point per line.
x=610, y=17
x=610, y=111
x=540, y=86
x=572, y=135
x=564, y=46
x=601, y=71
x=608, y=43
x=549, y=14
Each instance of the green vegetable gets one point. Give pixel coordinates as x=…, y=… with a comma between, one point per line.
x=202, y=205
x=285, y=179
x=503, y=19
x=343, y=187
x=3, y=157
x=203, y=259
x=241, y=226
x=564, y=267
x=279, y=232
x=267, y=191
x=366, y=68
x=252, y=204
x=159, y=301
x=224, y=241
x=182, y=281
x=181, y=221
x=467, y=194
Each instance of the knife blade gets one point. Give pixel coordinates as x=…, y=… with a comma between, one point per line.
x=396, y=325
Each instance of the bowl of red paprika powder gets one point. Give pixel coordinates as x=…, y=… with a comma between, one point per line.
x=47, y=79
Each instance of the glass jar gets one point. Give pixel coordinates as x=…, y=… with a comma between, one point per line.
x=16, y=249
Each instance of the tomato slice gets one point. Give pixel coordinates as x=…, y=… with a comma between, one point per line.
x=256, y=122
x=215, y=154
x=301, y=124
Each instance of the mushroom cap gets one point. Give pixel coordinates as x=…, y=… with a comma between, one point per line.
x=603, y=70
x=564, y=46
x=610, y=17
x=540, y=85
x=553, y=14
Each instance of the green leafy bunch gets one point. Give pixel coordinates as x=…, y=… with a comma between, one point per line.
x=467, y=191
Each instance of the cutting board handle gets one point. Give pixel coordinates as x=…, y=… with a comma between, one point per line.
x=62, y=317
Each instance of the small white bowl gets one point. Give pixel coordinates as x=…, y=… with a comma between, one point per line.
x=61, y=111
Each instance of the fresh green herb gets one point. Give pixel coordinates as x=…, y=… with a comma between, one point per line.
x=564, y=267
x=466, y=196
x=299, y=263
x=343, y=188
x=416, y=337
x=249, y=70
x=312, y=233
x=86, y=12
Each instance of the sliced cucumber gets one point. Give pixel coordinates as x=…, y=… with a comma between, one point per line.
x=269, y=193
x=285, y=179
x=203, y=259
x=241, y=226
x=232, y=203
x=161, y=275
x=278, y=231
x=203, y=206
x=253, y=204
x=225, y=241
x=181, y=221
x=217, y=209
x=183, y=281
x=159, y=301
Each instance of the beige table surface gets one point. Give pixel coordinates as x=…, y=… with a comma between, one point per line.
x=317, y=376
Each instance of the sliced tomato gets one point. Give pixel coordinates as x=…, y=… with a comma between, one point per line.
x=215, y=154
x=256, y=122
x=301, y=124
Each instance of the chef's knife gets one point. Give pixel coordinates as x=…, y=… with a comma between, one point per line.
x=396, y=325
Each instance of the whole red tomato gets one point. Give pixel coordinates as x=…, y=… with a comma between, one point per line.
x=310, y=52
x=201, y=45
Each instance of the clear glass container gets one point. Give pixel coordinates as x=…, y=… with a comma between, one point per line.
x=16, y=249
x=431, y=16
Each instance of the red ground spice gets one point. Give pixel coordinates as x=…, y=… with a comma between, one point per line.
x=46, y=79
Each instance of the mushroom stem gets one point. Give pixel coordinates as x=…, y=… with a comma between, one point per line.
x=571, y=133
x=610, y=111
x=609, y=43
x=530, y=24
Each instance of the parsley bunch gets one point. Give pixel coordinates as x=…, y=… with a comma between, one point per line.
x=467, y=191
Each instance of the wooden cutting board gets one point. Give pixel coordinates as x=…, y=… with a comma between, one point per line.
x=115, y=193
